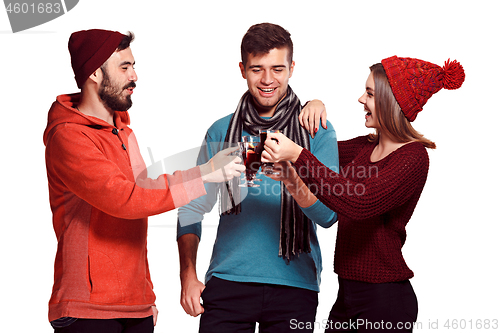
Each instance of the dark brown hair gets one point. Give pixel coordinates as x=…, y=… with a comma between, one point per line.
x=125, y=43
x=262, y=38
x=389, y=115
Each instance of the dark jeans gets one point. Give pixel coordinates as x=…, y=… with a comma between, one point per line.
x=237, y=307
x=373, y=307
x=121, y=325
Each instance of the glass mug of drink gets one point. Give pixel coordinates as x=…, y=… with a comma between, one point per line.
x=267, y=168
x=251, y=158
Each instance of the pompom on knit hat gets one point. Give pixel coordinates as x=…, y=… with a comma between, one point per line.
x=414, y=81
x=89, y=49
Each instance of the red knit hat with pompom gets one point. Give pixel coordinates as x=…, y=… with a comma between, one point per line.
x=413, y=81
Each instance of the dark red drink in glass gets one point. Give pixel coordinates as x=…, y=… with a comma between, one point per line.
x=252, y=162
x=267, y=168
x=251, y=158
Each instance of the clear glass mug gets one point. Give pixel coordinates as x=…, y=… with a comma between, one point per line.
x=267, y=168
x=251, y=158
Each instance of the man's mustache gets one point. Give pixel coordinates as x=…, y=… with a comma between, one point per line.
x=130, y=85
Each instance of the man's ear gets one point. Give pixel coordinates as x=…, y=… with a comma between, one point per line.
x=292, y=66
x=242, y=69
x=96, y=76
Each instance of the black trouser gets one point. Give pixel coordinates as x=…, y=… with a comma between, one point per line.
x=237, y=307
x=373, y=307
x=121, y=325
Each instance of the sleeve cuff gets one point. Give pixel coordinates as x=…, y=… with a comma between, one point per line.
x=320, y=214
x=301, y=162
x=190, y=228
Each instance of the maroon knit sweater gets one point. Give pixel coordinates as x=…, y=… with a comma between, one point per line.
x=374, y=202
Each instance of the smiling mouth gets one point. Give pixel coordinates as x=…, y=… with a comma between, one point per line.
x=130, y=87
x=267, y=90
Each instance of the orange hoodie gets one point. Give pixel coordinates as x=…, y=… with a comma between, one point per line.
x=100, y=198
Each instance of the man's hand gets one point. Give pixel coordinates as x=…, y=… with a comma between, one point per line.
x=190, y=295
x=191, y=287
x=155, y=314
x=222, y=167
x=312, y=115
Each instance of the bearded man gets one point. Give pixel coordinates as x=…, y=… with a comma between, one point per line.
x=100, y=195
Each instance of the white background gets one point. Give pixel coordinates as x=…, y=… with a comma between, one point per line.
x=187, y=55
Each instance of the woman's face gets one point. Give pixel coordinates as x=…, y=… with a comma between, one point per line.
x=368, y=100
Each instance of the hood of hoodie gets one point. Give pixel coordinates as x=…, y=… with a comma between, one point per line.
x=63, y=110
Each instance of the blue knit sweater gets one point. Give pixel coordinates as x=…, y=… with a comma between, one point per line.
x=246, y=247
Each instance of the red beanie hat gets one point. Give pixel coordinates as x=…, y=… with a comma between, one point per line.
x=89, y=49
x=413, y=81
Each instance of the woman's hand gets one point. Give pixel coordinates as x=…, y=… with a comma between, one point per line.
x=311, y=115
x=295, y=186
x=285, y=172
x=280, y=148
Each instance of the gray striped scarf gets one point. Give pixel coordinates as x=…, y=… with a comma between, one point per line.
x=295, y=226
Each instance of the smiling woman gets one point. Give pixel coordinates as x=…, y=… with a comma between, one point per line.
x=368, y=100
x=392, y=120
x=373, y=275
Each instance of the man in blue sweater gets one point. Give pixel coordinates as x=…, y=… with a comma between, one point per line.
x=266, y=261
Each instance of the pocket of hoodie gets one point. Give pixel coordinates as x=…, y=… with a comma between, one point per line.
x=104, y=284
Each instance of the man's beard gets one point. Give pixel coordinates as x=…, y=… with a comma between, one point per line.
x=111, y=95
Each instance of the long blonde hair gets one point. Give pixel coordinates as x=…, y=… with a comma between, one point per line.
x=390, y=117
